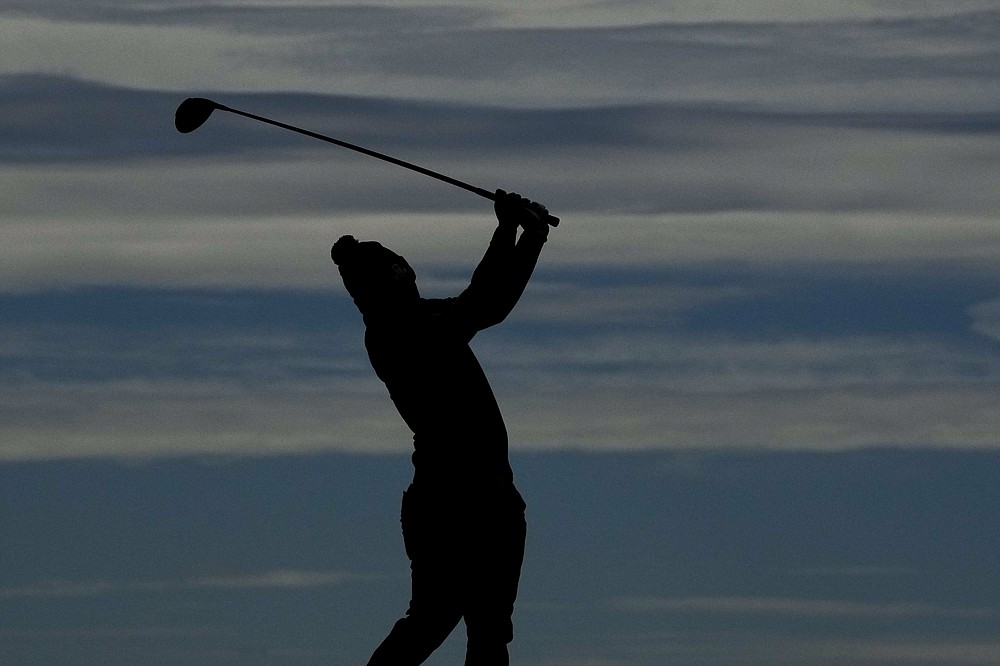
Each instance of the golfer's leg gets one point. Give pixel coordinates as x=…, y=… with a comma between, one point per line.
x=490, y=607
x=435, y=607
x=434, y=612
x=414, y=637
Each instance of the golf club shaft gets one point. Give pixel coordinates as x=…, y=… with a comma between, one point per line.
x=486, y=194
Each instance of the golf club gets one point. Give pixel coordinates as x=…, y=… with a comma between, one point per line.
x=194, y=111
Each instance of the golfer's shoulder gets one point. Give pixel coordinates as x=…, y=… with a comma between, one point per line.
x=445, y=317
x=430, y=307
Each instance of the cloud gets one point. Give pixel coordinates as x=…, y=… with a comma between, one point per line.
x=674, y=363
x=140, y=418
x=609, y=418
x=57, y=590
x=624, y=411
x=258, y=18
x=986, y=318
x=775, y=649
x=103, y=188
x=282, y=579
x=796, y=607
x=695, y=141
x=582, y=657
x=53, y=118
x=157, y=250
x=61, y=119
x=115, y=195
x=516, y=12
x=779, y=233
x=761, y=61
x=861, y=58
x=121, y=372
x=914, y=651
x=856, y=571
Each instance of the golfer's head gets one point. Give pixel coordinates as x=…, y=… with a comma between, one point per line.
x=374, y=275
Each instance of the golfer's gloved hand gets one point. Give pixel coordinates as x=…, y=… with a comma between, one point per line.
x=514, y=210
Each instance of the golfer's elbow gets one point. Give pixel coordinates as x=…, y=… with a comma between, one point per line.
x=492, y=319
x=494, y=315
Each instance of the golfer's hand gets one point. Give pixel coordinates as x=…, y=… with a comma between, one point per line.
x=514, y=210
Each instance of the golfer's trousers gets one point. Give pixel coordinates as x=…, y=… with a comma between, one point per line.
x=465, y=550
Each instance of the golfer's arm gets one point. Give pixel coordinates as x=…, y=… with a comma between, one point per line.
x=500, y=278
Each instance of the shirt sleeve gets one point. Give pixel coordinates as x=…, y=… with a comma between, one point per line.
x=498, y=281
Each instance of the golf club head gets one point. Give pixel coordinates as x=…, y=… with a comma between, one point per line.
x=192, y=113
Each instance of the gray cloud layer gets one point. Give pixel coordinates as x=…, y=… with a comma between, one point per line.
x=868, y=57
x=357, y=20
x=642, y=159
x=763, y=145
x=51, y=119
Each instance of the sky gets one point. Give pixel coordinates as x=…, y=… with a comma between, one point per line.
x=751, y=389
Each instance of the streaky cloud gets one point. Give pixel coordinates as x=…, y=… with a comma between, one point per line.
x=263, y=18
x=53, y=119
x=277, y=579
x=793, y=606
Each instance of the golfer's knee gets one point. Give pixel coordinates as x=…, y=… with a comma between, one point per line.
x=413, y=638
x=480, y=654
x=489, y=631
x=433, y=624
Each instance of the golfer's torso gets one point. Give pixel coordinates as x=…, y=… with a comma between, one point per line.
x=441, y=391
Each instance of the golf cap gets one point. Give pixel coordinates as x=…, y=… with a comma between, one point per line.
x=371, y=271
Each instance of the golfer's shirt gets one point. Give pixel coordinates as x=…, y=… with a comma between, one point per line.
x=422, y=355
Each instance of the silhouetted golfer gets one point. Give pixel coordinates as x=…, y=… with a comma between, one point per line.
x=463, y=519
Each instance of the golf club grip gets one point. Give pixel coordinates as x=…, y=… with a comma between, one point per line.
x=551, y=220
